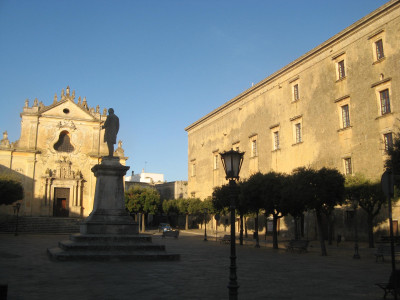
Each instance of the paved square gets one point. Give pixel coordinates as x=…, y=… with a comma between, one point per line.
x=202, y=272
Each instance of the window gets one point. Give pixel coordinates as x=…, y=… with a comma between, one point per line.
x=379, y=49
x=347, y=166
x=193, y=169
x=276, y=140
x=298, y=133
x=193, y=194
x=64, y=143
x=385, y=102
x=253, y=148
x=345, y=116
x=341, y=69
x=388, y=140
x=216, y=159
x=296, y=95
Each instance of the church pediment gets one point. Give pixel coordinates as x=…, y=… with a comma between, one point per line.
x=68, y=108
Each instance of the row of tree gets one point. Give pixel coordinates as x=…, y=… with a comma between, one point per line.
x=278, y=195
x=146, y=200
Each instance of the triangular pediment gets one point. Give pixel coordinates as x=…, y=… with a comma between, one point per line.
x=68, y=109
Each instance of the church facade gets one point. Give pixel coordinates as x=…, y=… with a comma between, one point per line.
x=336, y=106
x=58, y=146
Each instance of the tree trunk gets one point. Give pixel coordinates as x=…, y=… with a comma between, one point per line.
x=256, y=231
x=187, y=222
x=241, y=230
x=275, y=231
x=245, y=228
x=143, y=222
x=370, y=226
x=330, y=229
x=296, y=228
x=321, y=233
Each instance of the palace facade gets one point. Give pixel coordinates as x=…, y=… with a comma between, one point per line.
x=58, y=146
x=336, y=106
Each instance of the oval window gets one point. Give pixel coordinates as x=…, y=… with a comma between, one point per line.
x=66, y=111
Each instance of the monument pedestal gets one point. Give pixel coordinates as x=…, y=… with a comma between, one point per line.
x=109, y=232
x=109, y=215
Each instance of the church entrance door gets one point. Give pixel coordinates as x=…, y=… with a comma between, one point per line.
x=61, y=202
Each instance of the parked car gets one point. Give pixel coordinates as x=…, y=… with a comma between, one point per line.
x=164, y=227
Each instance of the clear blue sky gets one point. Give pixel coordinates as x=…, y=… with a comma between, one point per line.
x=161, y=64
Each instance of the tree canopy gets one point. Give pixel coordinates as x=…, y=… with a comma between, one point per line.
x=11, y=189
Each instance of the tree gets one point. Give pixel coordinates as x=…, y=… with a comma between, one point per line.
x=253, y=194
x=221, y=201
x=273, y=201
x=11, y=189
x=321, y=191
x=296, y=206
x=369, y=196
x=142, y=200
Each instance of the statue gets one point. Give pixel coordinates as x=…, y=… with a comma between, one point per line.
x=111, y=126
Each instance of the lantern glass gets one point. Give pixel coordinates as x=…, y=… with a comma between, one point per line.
x=232, y=162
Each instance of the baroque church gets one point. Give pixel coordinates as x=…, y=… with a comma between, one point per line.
x=58, y=146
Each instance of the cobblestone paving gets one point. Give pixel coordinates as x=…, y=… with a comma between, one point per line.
x=202, y=272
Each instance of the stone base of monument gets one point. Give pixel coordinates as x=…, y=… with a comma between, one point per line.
x=110, y=247
x=109, y=232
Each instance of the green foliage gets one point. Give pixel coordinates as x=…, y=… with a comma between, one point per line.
x=142, y=200
x=253, y=192
x=368, y=195
x=11, y=189
x=274, y=202
x=321, y=189
x=170, y=206
x=221, y=198
x=365, y=193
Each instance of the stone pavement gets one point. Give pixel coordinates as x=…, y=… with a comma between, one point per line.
x=202, y=272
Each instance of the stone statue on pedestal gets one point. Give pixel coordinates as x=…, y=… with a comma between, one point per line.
x=111, y=126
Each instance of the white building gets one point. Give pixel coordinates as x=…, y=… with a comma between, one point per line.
x=144, y=177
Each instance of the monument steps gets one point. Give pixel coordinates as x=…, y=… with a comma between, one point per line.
x=61, y=255
x=69, y=245
x=110, y=247
x=39, y=224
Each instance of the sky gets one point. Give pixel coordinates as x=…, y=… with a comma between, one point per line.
x=161, y=64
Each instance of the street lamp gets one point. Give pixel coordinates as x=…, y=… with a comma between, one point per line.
x=16, y=208
x=205, y=225
x=232, y=162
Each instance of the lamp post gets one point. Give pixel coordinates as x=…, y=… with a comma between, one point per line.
x=232, y=162
x=16, y=208
x=205, y=225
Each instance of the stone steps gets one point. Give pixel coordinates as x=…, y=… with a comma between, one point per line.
x=39, y=224
x=110, y=247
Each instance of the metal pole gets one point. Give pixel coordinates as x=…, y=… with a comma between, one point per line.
x=233, y=285
x=356, y=254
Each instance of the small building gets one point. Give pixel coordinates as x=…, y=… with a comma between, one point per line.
x=167, y=190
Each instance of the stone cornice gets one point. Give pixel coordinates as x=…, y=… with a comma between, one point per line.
x=330, y=42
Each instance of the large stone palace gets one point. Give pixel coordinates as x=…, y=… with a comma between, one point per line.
x=58, y=146
x=336, y=106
